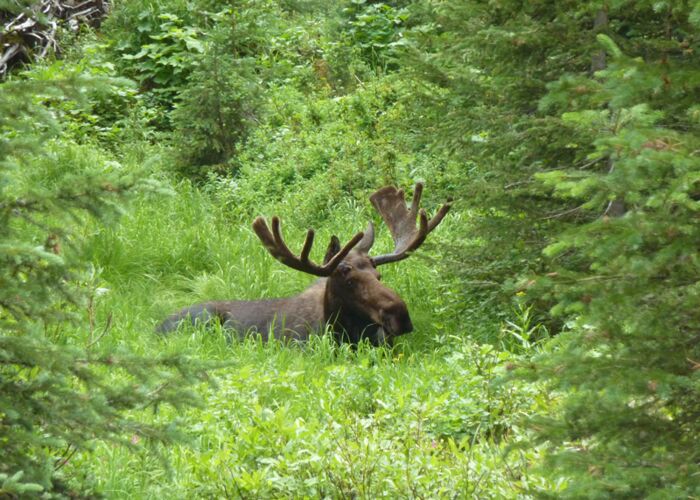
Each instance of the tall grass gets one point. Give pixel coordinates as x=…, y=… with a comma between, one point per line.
x=425, y=419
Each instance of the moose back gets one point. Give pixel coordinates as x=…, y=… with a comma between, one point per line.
x=349, y=297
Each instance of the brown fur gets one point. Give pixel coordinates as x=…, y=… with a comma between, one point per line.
x=352, y=301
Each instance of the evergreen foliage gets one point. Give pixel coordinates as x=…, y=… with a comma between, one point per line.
x=630, y=367
x=215, y=110
x=484, y=69
x=59, y=392
x=532, y=102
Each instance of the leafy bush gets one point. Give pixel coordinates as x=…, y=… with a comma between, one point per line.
x=108, y=114
x=157, y=48
x=314, y=152
x=376, y=29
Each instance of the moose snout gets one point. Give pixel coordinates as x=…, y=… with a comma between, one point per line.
x=396, y=319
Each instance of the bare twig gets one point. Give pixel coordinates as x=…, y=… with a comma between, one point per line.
x=565, y=212
x=65, y=458
x=105, y=330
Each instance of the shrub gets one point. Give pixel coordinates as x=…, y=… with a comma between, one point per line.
x=216, y=108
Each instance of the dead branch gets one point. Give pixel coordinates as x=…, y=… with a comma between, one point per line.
x=32, y=34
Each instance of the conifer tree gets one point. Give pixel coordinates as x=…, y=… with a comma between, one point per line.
x=629, y=423
x=580, y=122
x=486, y=65
x=58, y=391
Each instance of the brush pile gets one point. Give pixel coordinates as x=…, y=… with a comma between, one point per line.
x=30, y=32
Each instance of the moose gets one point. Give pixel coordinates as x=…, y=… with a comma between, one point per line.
x=349, y=297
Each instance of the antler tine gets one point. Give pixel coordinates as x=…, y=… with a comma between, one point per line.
x=308, y=243
x=274, y=242
x=437, y=218
x=417, y=193
x=284, y=249
x=401, y=220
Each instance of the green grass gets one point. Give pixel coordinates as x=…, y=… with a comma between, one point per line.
x=430, y=418
x=319, y=421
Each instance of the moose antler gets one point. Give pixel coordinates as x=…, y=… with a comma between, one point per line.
x=401, y=221
x=275, y=244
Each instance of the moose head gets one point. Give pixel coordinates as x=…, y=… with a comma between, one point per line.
x=350, y=297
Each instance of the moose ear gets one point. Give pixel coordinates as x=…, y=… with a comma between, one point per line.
x=333, y=248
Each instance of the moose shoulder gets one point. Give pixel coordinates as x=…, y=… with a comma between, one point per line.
x=349, y=296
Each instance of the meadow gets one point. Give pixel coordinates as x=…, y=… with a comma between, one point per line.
x=436, y=415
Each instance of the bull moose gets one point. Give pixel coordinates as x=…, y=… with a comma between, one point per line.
x=349, y=296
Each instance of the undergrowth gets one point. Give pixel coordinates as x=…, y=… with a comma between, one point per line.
x=434, y=416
